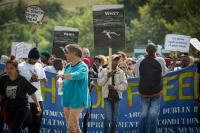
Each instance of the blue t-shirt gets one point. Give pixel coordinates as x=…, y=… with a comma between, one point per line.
x=75, y=91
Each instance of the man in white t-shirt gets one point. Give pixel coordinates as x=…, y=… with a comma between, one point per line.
x=34, y=72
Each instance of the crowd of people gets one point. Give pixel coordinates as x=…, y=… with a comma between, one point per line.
x=21, y=102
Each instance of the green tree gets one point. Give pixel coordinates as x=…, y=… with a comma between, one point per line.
x=144, y=28
x=15, y=28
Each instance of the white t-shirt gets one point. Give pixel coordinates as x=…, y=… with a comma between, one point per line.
x=50, y=69
x=26, y=70
x=159, y=59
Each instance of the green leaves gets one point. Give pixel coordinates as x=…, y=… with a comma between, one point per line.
x=145, y=20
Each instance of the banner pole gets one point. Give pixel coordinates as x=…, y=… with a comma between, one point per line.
x=110, y=64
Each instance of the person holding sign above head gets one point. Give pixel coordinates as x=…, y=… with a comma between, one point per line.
x=75, y=88
x=112, y=92
x=150, y=71
x=34, y=73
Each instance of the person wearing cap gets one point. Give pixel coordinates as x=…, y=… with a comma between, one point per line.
x=75, y=88
x=150, y=71
x=112, y=92
x=34, y=73
x=45, y=56
x=123, y=55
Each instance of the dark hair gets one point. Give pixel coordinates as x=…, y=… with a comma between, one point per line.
x=34, y=54
x=58, y=64
x=151, y=48
x=75, y=49
x=13, y=62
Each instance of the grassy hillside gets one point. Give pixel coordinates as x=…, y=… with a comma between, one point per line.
x=67, y=4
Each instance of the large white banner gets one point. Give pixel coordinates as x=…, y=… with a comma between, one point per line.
x=179, y=43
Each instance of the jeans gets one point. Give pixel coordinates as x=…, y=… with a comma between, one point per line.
x=150, y=112
x=111, y=108
x=17, y=119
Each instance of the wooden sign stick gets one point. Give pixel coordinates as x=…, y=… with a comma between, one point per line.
x=110, y=64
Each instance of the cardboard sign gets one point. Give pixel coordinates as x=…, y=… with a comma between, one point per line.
x=195, y=42
x=109, y=26
x=159, y=49
x=34, y=14
x=179, y=43
x=62, y=37
x=20, y=49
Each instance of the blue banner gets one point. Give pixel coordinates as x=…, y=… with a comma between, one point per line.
x=177, y=114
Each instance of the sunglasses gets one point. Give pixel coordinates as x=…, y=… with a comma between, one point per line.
x=130, y=64
x=122, y=67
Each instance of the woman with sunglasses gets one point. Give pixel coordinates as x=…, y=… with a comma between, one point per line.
x=131, y=67
x=123, y=66
x=13, y=95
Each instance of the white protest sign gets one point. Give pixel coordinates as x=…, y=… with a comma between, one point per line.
x=195, y=42
x=20, y=49
x=175, y=42
x=159, y=49
x=34, y=14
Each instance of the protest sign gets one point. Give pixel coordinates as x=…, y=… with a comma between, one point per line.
x=20, y=49
x=159, y=49
x=62, y=37
x=109, y=27
x=195, y=42
x=34, y=14
x=179, y=43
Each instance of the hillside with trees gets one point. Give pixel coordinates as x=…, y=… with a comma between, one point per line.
x=145, y=20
